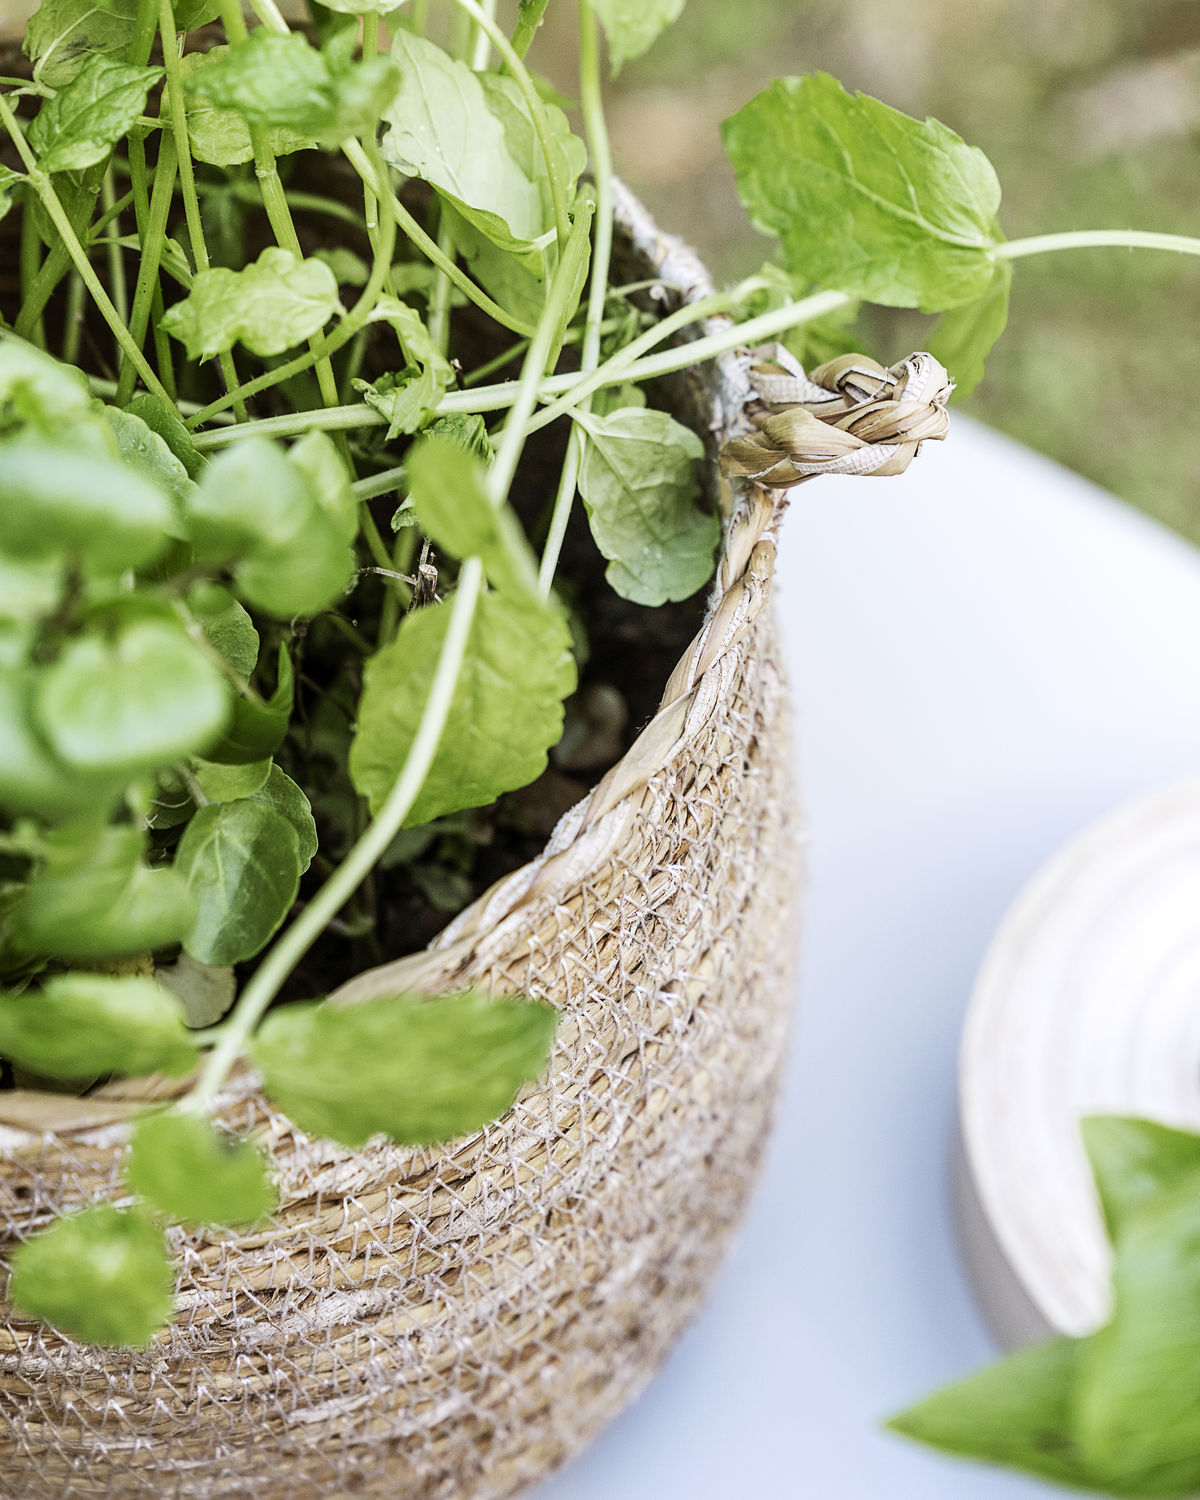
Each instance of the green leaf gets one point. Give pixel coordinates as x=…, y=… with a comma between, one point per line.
x=149, y=455
x=160, y=419
x=505, y=715
x=221, y=137
x=410, y=398
x=102, y=1276
x=84, y=1025
x=271, y=305
x=58, y=501
x=141, y=700
x=62, y=34
x=1135, y=1160
x=241, y=862
x=81, y=124
x=632, y=26
x=38, y=390
x=1016, y=1413
x=257, y=730
x=283, y=82
x=640, y=485
x=227, y=627
x=289, y=518
x=8, y=181
x=417, y=1070
x=963, y=338
x=196, y=1174
x=466, y=430
x=280, y=793
x=32, y=778
x=1136, y=1404
x=93, y=898
x=864, y=198
x=206, y=992
x=316, y=457
x=448, y=488
x=230, y=782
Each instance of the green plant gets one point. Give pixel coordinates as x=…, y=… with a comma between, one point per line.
x=192, y=526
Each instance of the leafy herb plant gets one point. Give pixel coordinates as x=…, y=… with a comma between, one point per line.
x=269, y=615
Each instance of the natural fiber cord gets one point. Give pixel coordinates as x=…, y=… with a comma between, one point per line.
x=455, y=1322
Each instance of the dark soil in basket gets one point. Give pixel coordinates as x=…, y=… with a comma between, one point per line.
x=626, y=655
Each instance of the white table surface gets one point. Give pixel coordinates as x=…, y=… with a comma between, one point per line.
x=986, y=654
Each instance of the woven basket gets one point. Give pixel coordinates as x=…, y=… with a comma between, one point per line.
x=456, y=1322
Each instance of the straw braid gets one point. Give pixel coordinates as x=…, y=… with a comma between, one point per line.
x=851, y=416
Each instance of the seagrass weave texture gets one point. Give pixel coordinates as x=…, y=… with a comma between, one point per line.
x=455, y=1322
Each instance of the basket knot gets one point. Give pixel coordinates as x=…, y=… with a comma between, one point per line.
x=849, y=416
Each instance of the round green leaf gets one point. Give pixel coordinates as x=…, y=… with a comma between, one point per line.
x=226, y=783
x=198, y=1175
x=32, y=779
x=306, y=576
x=281, y=793
x=83, y=1025
x=134, y=703
x=102, y=1276
x=59, y=501
x=415, y=1068
x=242, y=865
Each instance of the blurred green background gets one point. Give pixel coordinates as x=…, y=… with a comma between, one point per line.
x=1090, y=111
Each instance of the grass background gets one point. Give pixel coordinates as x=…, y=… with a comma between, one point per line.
x=1089, y=110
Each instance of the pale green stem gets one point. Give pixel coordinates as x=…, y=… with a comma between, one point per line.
x=1086, y=239
x=358, y=159
x=268, y=13
x=601, y=155
x=544, y=346
x=483, y=47
x=187, y=175
x=152, y=247
x=613, y=372
x=527, y=26
x=116, y=259
x=287, y=952
x=44, y=188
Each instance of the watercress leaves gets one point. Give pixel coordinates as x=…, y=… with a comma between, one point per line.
x=241, y=863
x=194, y=1173
x=632, y=26
x=505, y=715
x=417, y=1070
x=1114, y=1413
x=85, y=1025
x=1017, y=1412
x=93, y=898
x=274, y=303
x=864, y=198
x=219, y=136
x=285, y=83
x=101, y=1275
x=81, y=124
x=409, y=398
x=639, y=483
x=135, y=702
x=287, y=519
x=447, y=488
x=63, y=34
x=59, y=501
x=963, y=337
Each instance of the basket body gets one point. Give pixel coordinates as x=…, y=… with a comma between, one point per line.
x=454, y=1322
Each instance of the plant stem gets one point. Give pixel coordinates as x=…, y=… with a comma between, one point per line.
x=544, y=347
x=31, y=269
x=44, y=188
x=483, y=47
x=601, y=153
x=612, y=372
x=324, y=348
x=358, y=159
x=187, y=177
x=287, y=952
x=530, y=19
x=153, y=240
x=1086, y=239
